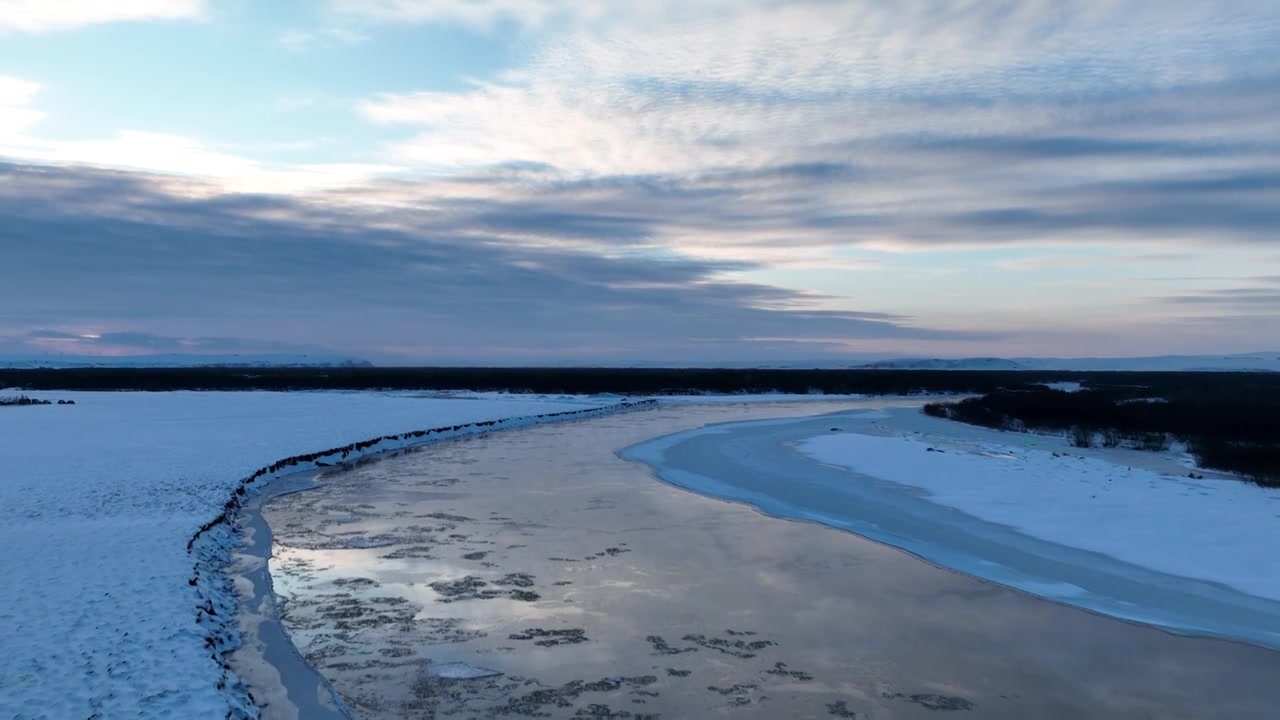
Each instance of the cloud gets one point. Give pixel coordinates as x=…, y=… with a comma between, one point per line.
x=873, y=124
x=16, y=92
x=669, y=152
x=1095, y=260
x=235, y=169
x=473, y=13
x=15, y=116
x=304, y=40
x=144, y=254
x=180, y=155
x=42, y=341
x=41, y=16
x=1249, y=295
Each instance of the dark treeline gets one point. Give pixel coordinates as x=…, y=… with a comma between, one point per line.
x=1229, y=422
x=623, y=381
x=588, y=381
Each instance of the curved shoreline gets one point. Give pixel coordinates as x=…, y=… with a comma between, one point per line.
x=781, y=482
x=213, y=545
x=267, y=659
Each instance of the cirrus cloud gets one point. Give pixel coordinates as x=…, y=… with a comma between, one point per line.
x=986, y=123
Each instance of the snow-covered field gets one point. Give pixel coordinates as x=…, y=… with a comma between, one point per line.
x=1219, y=530
x=98, y=501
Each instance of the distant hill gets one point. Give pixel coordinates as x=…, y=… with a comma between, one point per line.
x=178, y=360
x=945, y=364
x=1248, y=362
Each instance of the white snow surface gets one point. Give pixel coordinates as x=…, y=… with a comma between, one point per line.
x=1218, y=530
x=97, y=503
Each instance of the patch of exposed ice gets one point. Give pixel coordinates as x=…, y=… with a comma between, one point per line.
x=368, y=542
x=460, y=671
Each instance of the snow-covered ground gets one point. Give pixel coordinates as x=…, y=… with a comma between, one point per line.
x=1213, y=529
x=98, y=501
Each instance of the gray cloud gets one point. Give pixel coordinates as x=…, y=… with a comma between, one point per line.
x=42, y=341
x=539, y=221
x=1231, y=297
x=1255, y=294
x=1189, y=163
x=1075, y=147
x=119, y=252
x=1140, y=217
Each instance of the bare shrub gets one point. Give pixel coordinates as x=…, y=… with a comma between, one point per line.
x=1153, y=442
x=1081, y=436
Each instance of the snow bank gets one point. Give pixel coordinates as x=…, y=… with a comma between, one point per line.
x=1217, y=530
x=100, y=501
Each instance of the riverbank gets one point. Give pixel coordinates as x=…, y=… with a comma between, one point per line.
x=1123, y=533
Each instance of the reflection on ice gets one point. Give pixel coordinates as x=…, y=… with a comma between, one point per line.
x=349, y=575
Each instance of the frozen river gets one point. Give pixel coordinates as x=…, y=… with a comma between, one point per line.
x=574, y=584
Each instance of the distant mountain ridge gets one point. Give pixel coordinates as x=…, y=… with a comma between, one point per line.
x=1245, y=362
x=946, y=364
x=175, y=360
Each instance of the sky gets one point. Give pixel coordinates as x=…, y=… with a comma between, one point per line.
x=683, y=181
